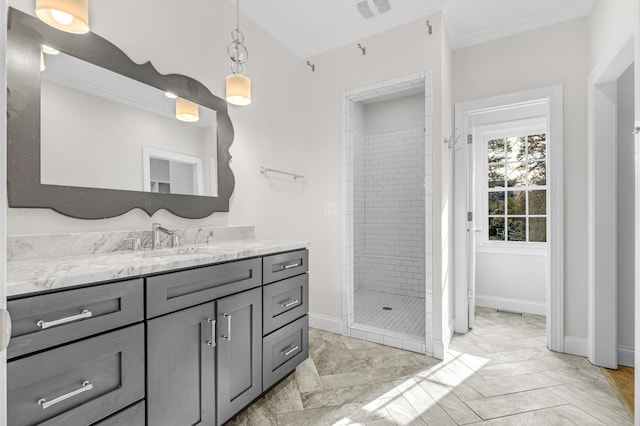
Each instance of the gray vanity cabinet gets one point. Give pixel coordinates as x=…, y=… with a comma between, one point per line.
x=181, y=368
x=239, y=323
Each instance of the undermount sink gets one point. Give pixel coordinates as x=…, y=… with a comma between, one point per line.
x=179, y=251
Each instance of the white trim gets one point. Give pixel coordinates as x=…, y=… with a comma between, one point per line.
x=575, y=346
x=3, y=197
x=511, y=250
x=602, y=301
x=636, y=38
x=323, y=322
x=552, y=96
x=438, y=348
x=515, y=305
x=626, y=356
x=459, y=39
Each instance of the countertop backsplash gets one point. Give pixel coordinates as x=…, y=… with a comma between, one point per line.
x=26, y=247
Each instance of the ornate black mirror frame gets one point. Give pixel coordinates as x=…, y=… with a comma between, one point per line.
x=25, y=36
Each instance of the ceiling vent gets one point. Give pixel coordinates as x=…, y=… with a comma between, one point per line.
x=364, y=7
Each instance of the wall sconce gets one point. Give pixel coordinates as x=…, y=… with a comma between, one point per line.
x=71, y=16
x=186, y=110
x=238, y=84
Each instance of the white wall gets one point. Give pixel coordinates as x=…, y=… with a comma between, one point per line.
x=626, y=218
x=611, y=24
x=514, y=282
x=556, y=55
x=96, y=142
x=398, y=52
x=268, y=133
x=394, y=115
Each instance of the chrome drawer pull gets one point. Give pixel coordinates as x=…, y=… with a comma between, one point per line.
x=212, y=342
x=291, y=265
x=291, y=302
x=86, y=386
x=290, y=351
x=227, y=336
x=46, y=324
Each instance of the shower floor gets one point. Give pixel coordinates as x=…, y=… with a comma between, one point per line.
x=406, y=317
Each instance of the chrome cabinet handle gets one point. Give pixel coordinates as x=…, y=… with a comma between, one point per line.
x=86, y=386
x=290, y=351
x=46, y=324
x=212, y=342
x=291, y=265
x=291, y=302
x=227, y=336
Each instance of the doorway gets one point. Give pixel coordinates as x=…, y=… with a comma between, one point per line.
x=545, y=106
x=386, y=251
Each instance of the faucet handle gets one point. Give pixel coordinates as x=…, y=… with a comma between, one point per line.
x=175, y=240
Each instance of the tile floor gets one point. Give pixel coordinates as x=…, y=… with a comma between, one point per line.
x=406, y=316
x=498, y=374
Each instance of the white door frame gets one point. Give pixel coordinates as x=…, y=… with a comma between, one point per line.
x=464, y=111
x=602, y=307
x=3, y=196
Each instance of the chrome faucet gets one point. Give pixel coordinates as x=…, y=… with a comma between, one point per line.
x=156, y=230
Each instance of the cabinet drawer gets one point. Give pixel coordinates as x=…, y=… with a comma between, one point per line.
x=77, y=384
x=284, y=301
x=284, y=265
x=171, y=292
x=40, y=322
x=132, y=416
x=283, y=350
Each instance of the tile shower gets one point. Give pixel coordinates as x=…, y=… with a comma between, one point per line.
x=386, y=208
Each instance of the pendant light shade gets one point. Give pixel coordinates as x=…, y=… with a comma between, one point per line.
x=238, y=84
x=238, y=89
x=43, y=66
x=186, y=110
x=71, y=16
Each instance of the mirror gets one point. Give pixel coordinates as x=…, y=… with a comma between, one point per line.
x=93, y=135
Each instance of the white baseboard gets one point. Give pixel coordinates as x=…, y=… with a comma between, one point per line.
x=438, y=349
x=322, y=322
x=515, y=305
x=575, y=346
x=626, y=356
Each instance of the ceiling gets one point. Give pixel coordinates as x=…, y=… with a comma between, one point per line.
x=310, y=27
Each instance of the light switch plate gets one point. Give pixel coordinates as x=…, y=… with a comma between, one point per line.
x=329, y=209
x=5, y=329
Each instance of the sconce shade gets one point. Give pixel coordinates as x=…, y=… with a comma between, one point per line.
x=238, y=89
x=71, y=16
x=186, y=111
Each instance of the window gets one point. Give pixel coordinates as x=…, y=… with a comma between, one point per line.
x=515, y=185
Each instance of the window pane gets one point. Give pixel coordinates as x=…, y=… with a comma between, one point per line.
x=495, y=149
x=496, y=203
x=496, y=228
x=517, y=229
x=538, y=173
x=516, y=149
x=538, y=202
x=496, y=175
x=516, y=174
x=517, y=203
x=537, y=147
x=538, y=229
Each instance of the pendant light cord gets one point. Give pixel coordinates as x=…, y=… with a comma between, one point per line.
x=238, y=15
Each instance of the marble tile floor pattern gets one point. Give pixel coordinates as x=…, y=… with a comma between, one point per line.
x=407, y=315
x=498, y=374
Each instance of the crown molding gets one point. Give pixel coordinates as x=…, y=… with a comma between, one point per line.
x=459, y=40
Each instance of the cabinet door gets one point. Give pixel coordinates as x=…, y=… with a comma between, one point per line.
x=239, y=351
x=181, y=368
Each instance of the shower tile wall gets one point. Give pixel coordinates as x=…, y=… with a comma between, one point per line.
x=389, y=213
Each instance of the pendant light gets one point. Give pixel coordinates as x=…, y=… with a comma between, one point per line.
x=238, y=84
x=71, y=16
x=186, y=110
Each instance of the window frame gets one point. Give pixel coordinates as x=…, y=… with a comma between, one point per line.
x=482, y=135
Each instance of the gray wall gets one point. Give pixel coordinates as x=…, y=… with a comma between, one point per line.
x=625, y=218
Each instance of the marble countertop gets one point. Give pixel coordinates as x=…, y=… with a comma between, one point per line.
x=36, y=275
